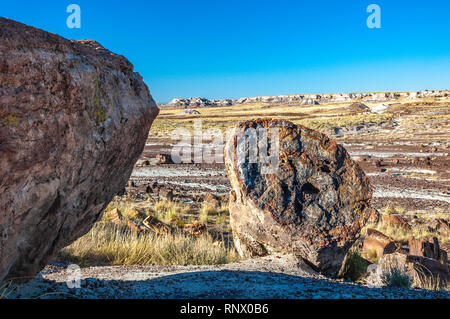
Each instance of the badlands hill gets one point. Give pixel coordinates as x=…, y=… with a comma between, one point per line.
x=309, y=99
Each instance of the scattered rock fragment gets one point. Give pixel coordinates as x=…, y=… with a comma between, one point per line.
x=358, y=107
x=427, y=248
x=156, y=225
x=396, y=221
x=441, y=226
x=423, y=272
x=211, y=199
x=195, y=229
x=165, y=193
x=135, y=214
x=114, y=216
x=188, y=111
x=163, y=159
x=376, y=245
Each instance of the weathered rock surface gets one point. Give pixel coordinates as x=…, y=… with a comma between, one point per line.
x=74, y=119
x=313, y=206
x=156, y=225
x=427, y=248
x=377, y=244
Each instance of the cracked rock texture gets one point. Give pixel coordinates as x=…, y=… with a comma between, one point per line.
x=74, y=118
x=313, y=206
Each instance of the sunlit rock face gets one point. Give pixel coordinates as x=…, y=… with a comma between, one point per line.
x=74, y=118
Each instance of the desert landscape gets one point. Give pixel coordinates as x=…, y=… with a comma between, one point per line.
x=107, y=194
x=400, y=140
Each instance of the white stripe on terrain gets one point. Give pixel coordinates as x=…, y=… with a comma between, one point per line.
x=391, y=192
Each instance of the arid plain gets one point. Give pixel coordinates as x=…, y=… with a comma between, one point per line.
x=172, y=219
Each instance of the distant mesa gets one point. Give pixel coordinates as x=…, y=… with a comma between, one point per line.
x=307, y=99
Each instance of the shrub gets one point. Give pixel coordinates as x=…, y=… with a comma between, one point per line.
x=107, y=244
x=372, y=255
x=354, y=266
x=396, y=277
x=205, y=211
x=4, y=289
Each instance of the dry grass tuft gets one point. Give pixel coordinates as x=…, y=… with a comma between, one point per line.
x=168, y=210
x=108, y=244
x=396, y=277
x=419, y=231
x=4, y=289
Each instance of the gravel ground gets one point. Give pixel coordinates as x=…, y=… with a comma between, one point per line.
x=268, y=277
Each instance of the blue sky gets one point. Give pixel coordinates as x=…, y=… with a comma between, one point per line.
x=230, y=49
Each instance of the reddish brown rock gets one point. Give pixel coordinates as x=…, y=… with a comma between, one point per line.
x=156, y=225
x=396, y=221
x=195, y=229
x=135, y=226
x=211, y=199
x=427, y=248
x=74, y=118
x=376, y=244
x=114, y=216
x=165, y=193
x=313, y=205
x=135, y=214
x=440, y=226
x=358, y=107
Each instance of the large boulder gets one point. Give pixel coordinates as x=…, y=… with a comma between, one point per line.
x=74, y=118
x=313, y=205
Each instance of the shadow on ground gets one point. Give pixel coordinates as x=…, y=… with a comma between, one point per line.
x=212, y=284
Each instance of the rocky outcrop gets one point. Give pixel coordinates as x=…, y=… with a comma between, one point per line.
x=312, y=206
x=74, y=118
x=358, y=107
x=427, y=248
